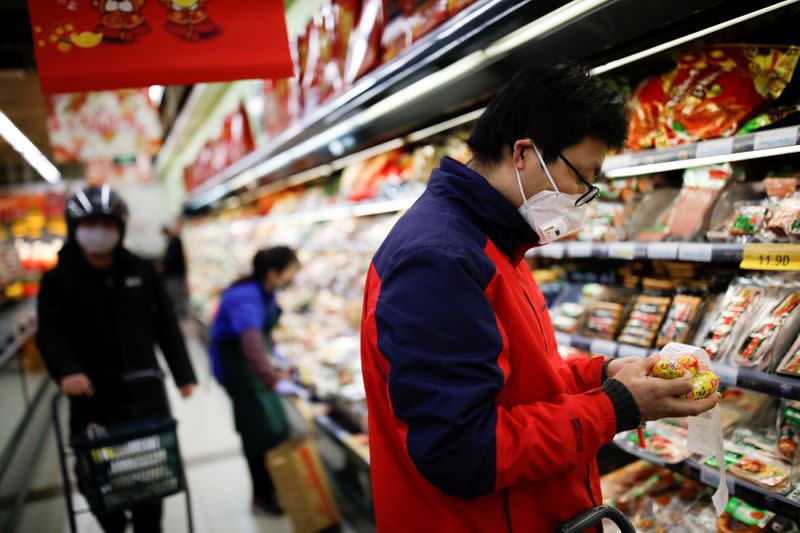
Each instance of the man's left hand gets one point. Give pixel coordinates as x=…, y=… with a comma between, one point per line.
x=618, y=364
x=187, y=390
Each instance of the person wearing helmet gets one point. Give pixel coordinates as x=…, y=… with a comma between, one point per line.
x=101, y=311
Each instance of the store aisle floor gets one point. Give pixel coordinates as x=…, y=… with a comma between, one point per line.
x=216, y=470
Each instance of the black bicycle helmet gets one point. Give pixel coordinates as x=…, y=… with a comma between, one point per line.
x=99, y=201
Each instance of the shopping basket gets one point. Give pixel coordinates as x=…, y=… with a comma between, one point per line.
x=128, y=464
x=593, y=517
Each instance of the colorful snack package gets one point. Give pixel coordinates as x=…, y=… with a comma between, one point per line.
x=646, y=105
x=756, y=349
x=741, y=516
x=748, y=220
x=644, y=321
x=769, y=118
x=784, y=213
x=680, y=320
x=789, y=429
x=739, y=303
x=715, y=89
x=396, y=38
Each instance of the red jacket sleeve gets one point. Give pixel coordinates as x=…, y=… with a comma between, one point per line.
x=588, y=371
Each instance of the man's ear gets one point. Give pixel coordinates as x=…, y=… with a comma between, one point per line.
x=519, y=152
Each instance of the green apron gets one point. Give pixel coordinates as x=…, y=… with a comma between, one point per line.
x=257, y=410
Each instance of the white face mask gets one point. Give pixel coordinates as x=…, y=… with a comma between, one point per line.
x=552, y=214
x=97, y=240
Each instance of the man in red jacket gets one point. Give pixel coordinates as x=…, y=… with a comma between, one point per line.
x=475, y=421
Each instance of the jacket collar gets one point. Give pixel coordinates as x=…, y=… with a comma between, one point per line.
x=501, y=221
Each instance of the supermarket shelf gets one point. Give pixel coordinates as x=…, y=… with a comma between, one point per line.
x=354, y=210
x=752, y=146
x=703, y=252
x=341, y=436
x=785, y=505
x=17, y=326
x=456, y=67
x=774, y=385
x=13, y=345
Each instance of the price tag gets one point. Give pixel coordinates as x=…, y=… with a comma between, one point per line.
x=695, y=251
x=662, y=250
x=771, y=257
x=775, y=138
x=604, y=347
x=629, y=350
x=622, y=250
x=580, y=249
x=710, y=477
x=563, y=339
x=715, y=147
x=727, y=374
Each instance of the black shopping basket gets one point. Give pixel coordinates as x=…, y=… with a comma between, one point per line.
x=129, y=464
x=593, y=517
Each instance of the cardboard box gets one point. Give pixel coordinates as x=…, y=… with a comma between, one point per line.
x=302, y=485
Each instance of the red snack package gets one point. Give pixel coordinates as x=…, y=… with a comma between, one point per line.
x=454, y=6
x=715, y=89
x=396, y=38
x=646, y=105
x=363, y=50
x=427, y=17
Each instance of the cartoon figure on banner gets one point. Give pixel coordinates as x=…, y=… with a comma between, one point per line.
x=188, y=19
x=121, y=20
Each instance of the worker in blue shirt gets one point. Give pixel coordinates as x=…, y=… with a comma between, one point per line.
x=241, y=345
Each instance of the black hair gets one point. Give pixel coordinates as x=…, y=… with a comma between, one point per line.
x=275, y=259
x=556, y=107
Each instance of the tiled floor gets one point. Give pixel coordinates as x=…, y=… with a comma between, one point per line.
x=216, y=471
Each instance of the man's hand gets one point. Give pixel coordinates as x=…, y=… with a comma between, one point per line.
x=77, y=385
x=618, y=364
x=656, y=397
x=187, y=390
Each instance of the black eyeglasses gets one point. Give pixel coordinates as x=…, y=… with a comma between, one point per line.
x=592, y=190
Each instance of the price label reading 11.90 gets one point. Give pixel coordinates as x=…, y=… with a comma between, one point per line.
x=771, y=257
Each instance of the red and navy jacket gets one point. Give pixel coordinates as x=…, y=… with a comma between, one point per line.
x=475, y=421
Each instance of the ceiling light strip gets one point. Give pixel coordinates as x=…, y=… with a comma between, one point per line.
x=21, y=144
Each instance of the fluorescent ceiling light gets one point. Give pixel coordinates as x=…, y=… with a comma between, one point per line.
x=156, y=93
x=699, y=161
x=690, y=37
x=28, y=150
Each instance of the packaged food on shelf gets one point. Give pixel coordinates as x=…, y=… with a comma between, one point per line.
x=396, y=38
x=770, y=118
x=709, y=94
x=680, y=320
x=780, y=185
x=605, y=222
x=426, y=17
x=454, y=6
x=664, y=438
x=692, y=208
x=603, y=319
x=645, y=320
x=790, y=365
x=741, y=516
x=364, y=46
x=748, y=220
x=757, y=350
x=737, y=307
x=788, y=425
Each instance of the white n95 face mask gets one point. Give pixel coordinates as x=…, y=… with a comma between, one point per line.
x=97, y=240
x=551, y=214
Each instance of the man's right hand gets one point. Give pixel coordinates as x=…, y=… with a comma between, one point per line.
x=77, y=385
x=657, y=397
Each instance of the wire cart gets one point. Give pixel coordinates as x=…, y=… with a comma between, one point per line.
x=128, y=464
x=593, y=517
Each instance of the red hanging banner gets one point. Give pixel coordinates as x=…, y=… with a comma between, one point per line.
x=91, y=45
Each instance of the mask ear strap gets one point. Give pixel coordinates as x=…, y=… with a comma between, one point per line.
x=546, y=170
x=519, y=182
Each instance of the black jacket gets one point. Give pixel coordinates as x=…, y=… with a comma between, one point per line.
x=174, y=265
x=105, y=323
